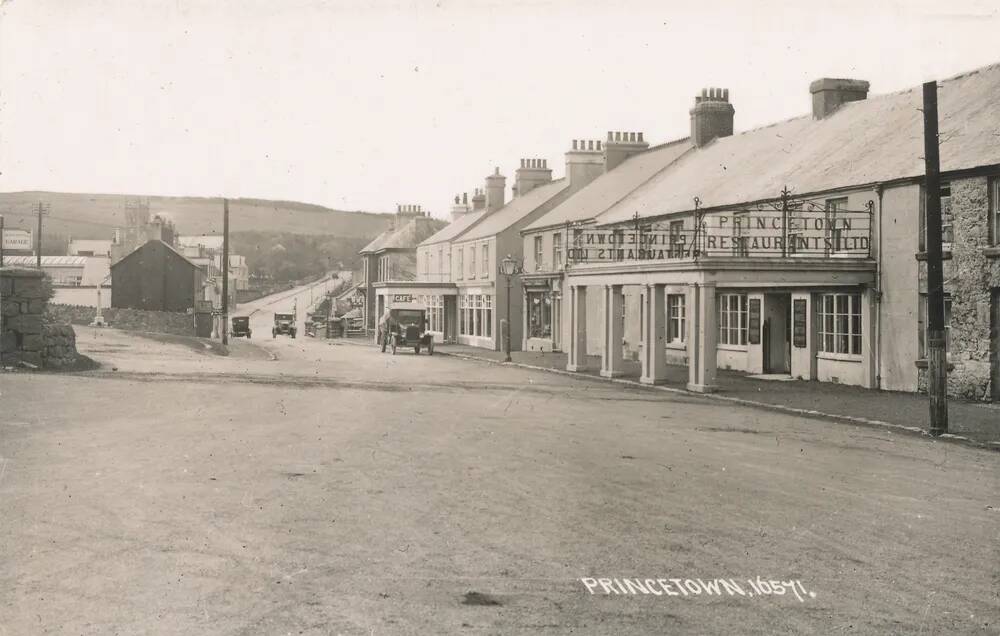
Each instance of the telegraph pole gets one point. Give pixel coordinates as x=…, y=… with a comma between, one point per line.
x=42, y=209
x=225, y=271
x=937, y=354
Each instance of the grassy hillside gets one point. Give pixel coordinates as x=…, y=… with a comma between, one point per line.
x=96, y=215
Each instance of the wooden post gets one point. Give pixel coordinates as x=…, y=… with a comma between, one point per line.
x=937, y=355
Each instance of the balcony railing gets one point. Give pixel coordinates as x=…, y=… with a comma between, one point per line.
x=758, y=233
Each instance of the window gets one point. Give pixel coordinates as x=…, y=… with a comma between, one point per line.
x=557, y=247
x=995, y=209
x=947, y=227
x=435, y=313
x=486, y=261
x=539, y=315
x=472, y=261
x=741, y=222
x=923, y=322
x=833, y=232
x=538, y=253
x=460, y=268
x=733, y=319
x=676, y=230
x=675, y=317
x=488, y=316
x=840, y=324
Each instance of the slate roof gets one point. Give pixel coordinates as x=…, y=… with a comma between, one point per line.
x=516, y=209
x=609, y=188
x=875, y=140
x=457, y=227
x=407, y=236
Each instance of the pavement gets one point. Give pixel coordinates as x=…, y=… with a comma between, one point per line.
x=974, y=421
x=311, y=487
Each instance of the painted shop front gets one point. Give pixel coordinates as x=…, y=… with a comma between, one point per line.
x=766, y=290
x=440, y=300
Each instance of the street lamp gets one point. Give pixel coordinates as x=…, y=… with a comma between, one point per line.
x=509, y=268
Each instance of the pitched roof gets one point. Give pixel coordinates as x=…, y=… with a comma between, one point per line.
x=517, y=209
x=406, y=236
x=169, y=247
x=457, y=227
x=609, y=188
x=875, y=140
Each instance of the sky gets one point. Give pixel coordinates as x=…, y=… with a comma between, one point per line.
x=362, y=106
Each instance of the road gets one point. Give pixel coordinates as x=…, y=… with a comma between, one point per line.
x=308, y=487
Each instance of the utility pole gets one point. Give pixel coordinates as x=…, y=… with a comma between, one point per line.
x=42, y=210
x=225, y=271
x=937, y=354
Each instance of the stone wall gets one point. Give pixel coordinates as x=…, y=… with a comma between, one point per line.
x=26, y=336
x=970, y=276
x=176, y=323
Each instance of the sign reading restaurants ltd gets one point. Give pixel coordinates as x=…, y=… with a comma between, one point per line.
x=742, y=235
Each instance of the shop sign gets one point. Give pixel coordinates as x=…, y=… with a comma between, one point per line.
x=754, y=321
x=357, y=299
x=402, y=298
x=799, y=323
x=17, y=239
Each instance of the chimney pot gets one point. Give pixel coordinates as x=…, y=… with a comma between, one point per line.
x=640, y=137
x=610, y=137
x=574, y=144
x=712, y=116
x=725, y=94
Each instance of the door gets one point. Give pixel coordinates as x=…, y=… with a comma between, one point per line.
x=776, y=344
x=995, y=345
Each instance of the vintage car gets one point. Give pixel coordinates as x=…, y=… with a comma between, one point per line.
x=284, y=324
x=241, y=327
x=405, y=326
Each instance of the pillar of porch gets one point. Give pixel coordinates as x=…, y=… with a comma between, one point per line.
x=703, y=337
x=576, y=359
x=612, y=361
x=654, y=349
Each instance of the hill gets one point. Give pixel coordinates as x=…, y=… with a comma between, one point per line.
x=96, y=215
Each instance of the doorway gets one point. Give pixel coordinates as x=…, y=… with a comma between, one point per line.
x=777, y=333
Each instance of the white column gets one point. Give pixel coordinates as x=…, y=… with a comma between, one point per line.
x=869, y=308
x=654, y=340
x=804, y=358
x=577, y=340
x=703, y=336
x=612, y=362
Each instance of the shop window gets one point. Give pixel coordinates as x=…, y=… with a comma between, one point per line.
x=947, y=225
x=539, y=315
x=486, y=260
x=488, y=316
x=538, y=253
x=557, y=251
x=463, y=315
x=840, y=328
x=923, y=322
x=675, y=317
x=733, y=319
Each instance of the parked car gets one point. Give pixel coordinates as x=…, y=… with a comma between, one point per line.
x=405, y=326
x=241, y=327
x=284, y=324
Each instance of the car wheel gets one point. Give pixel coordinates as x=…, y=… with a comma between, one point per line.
x=393, y=346
x=416, y=350
x=430, y=348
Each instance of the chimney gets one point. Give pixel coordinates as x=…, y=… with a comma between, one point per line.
x=496, y=185
x=829, y=93
x=531, y=174
x=620, y=146
x=584, y=162
x=712, y=116
x=478, y=200
x=461, y=206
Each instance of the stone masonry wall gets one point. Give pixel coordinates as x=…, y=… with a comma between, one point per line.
x=25, y=336
x=969, y=277
x=176, y=323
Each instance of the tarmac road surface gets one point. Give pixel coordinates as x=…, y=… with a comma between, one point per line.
x=338, y=490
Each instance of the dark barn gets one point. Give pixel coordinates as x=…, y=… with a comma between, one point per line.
x=155, y=277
